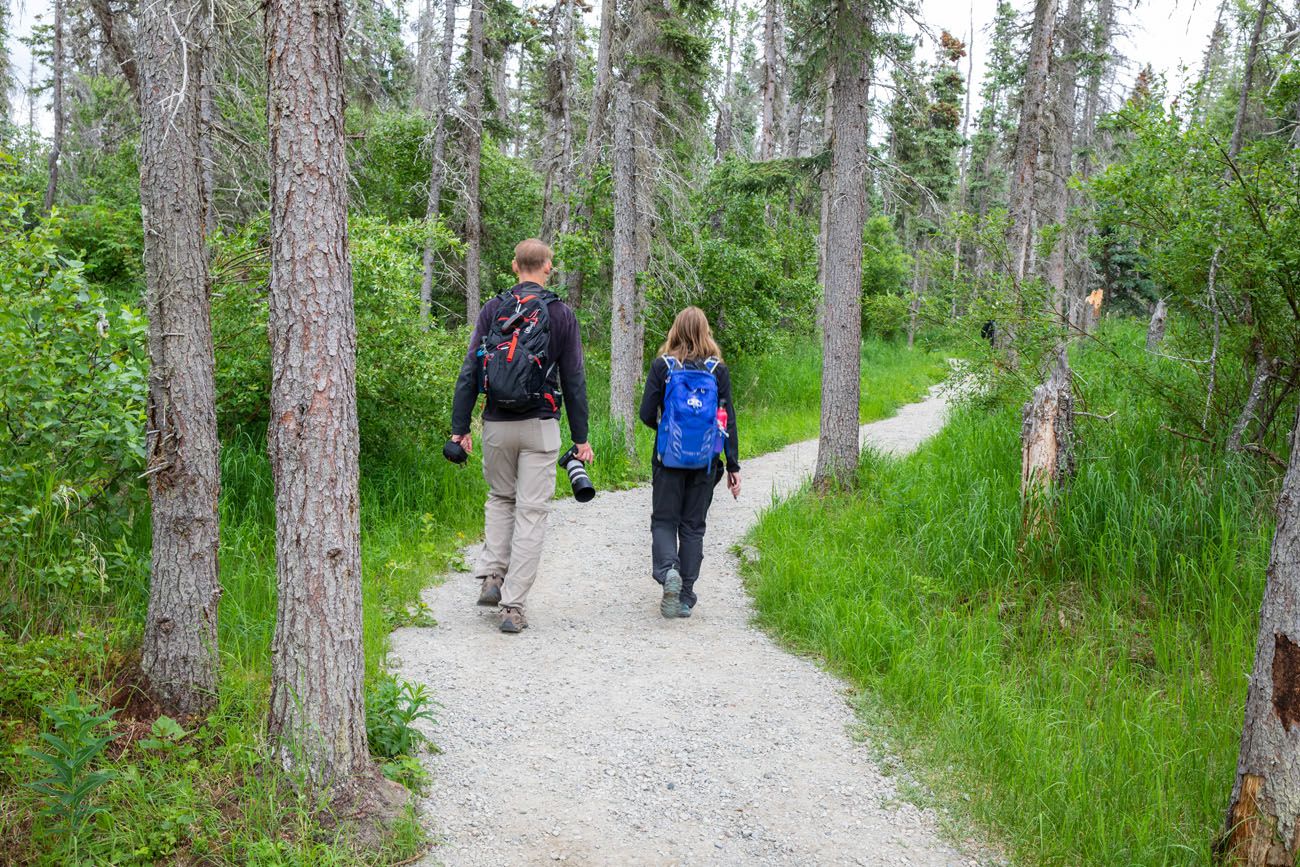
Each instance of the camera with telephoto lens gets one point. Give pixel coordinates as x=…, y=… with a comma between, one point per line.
x=453, y=452
x=583, y=489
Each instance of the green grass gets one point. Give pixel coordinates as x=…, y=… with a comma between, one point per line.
x=1085, y=693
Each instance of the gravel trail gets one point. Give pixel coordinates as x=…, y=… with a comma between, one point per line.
x=606, y=735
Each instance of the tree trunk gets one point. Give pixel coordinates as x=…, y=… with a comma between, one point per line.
x=317, y=719
x=1047, y=439
x=437, y=169
x=723, y=134
x=625, y=327
x=119, y=43
x=473, y=142
x=558, y=182
x=1263, y=822
x=179, y=650
x=828, y=130
x=1234, y=148
x=1024, y=163
x=1156, y=328
x=56, y=144
x=838, y=448
x=1063, y=157
x=1263, y=372
x=595, y=135
x=963, y=166
x=425, y=75
x=767, y=139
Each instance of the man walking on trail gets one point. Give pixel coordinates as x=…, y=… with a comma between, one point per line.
x=526, y=356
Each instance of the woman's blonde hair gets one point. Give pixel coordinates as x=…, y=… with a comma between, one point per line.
x=690, y=338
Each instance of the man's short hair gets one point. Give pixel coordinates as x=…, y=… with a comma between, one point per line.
x=531, y=255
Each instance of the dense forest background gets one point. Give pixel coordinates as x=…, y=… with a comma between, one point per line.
x=1114, y=262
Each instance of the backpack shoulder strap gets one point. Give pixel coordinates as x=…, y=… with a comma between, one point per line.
x=711, y=363
x=671, y=362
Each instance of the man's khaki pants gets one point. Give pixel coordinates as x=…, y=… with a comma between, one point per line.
x=519, y=465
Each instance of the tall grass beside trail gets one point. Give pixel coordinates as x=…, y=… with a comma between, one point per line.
x=1081, y=699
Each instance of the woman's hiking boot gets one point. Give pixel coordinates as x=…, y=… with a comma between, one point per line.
x=513, y=619
x=490, y=593
x=685, y=612
x=671, y=605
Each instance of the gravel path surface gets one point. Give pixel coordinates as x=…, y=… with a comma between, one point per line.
x=605, y=735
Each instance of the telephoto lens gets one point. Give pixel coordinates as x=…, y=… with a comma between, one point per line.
x=583, y=489
x=453, y=452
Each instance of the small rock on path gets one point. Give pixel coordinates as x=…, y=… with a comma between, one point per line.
x=606, y=735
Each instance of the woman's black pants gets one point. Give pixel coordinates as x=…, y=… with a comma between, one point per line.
x=681, y=500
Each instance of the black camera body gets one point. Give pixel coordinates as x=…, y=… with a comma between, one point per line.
x=583, y=489
x=453, y=452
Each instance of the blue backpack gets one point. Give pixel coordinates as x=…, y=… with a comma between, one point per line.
x=688, y=428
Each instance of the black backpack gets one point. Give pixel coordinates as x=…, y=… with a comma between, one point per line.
x=516, y=352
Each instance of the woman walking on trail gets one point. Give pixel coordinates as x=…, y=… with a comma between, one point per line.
x=687, y=400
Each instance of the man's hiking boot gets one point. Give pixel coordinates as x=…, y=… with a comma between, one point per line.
x=513, y=620
x=685, y=612
x=671, y=605
x=490, y=594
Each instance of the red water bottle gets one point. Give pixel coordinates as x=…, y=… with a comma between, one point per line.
x=722, y=430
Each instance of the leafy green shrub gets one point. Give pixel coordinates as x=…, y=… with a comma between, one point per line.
x=403, y=371
x=392, y=708
x=884, y=316
x=74, y=746
x=72, y=399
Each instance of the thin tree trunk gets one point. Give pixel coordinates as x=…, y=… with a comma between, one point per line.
x=119, y=43
x=179, y=649
x=1263, y=372
x=838, y=448
x=56, y=144
x=625, y=327
x=828, y=129
x=723, y=134
x=1020, y=200
x=1063, y=156
x=317, y=717
x=767, y=135
x=473, y=141
x=437, y=169
x=1207, y=67
x=1263, y=821
x=963, y=168
x=1234, y=148
x=558, y=182
x=591, y=148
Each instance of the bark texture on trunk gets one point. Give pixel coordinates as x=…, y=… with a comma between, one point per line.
x=1156, y=327
x=837, y=449
x=1063, y=117
x=591, y=149
x=119, y=43
x=1024, y=163
x=437, y=170
x=56, y=142
x=626, y=328
x=1047, y=438
x=472, y=138
x=317, y=719
x=560, y=68
x=722, y=134
x=767, y=134
x=1263, y=372
x=1263, y=823
x=179, y=650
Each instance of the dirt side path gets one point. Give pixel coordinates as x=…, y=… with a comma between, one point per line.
x=605, y=735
